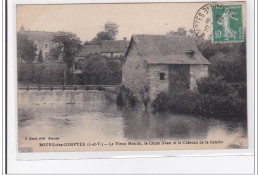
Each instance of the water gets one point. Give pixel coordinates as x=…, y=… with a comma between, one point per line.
x=88, y=117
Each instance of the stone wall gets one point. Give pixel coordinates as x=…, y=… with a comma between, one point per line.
x=197, y=72
x=155, y=84
x=134, y=74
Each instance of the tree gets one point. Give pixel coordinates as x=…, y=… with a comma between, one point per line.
x=40, y=57
x=69, y=45
x=101, y=36
x=26, y=50
x=97, y=69
x=111, y=29
x=109, y=32
x=55, y=53
x=86, y=42
x=181, y=31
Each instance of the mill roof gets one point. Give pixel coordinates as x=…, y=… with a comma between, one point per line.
x=165, y=49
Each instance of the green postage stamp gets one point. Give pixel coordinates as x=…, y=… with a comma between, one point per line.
x=227, y=23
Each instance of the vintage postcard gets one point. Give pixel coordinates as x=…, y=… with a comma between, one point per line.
x=131, y=77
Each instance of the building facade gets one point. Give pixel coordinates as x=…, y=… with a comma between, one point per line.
x=162, y=63
x=41, y=39
x=107, y=48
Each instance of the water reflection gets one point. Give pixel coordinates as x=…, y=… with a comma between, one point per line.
x=106, y=120
x=87, y=116
x=139, y=124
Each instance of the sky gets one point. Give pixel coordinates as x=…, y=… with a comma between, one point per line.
x=86, y=20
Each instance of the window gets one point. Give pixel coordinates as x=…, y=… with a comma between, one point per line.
x=162, y=76
x=46, y=46
x=37, y=46
x=190, y=53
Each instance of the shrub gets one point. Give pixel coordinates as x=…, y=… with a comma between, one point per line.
x=161, y=102
x=126, y=97
x=186, y=102
x=40, y=57
x=47, y=74
x=97, y=69
x=214, y=85
x=227, y=107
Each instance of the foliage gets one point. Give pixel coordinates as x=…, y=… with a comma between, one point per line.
x=126, y=97
x=40, y=57
x=26, y=50
x=55, y=53
x=231, y=66
x=181, y=31
x=227, y=60
x=101, y=36
x=109, y=32
x=41, y=74
x=97, y=69
x=69, y=45
x=86, y=42
x=230, y=107
x=111, y=29
x=161, y=101
x=214, y=85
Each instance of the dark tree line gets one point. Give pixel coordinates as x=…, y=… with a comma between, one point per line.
x=109, y=32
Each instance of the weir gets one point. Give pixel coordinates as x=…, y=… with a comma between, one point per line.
x=58, y=96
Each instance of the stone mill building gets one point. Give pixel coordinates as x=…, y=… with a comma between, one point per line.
x=162, y=63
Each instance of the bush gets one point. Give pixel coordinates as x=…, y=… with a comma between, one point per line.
x=97, y=69
x=161, y=102
x=227, y=107
x=41, y=74
x=126, y=97
x=214, y=85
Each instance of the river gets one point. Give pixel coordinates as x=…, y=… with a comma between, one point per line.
x=100, y=120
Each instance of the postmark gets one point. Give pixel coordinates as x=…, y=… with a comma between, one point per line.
x=222, y=23
x=202, y=23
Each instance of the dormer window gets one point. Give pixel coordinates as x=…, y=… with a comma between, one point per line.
x=190, y=53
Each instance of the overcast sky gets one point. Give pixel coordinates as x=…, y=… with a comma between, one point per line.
x=86, y=20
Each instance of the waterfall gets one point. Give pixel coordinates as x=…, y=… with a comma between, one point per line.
x=59, y=96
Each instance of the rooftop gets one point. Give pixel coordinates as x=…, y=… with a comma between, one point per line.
x=106, y=46
x=165, y=49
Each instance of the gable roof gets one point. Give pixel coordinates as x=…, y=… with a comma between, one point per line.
x=114, y=46
x=165, y=49
x=89, y=49
x=105, y=46
x=40, y=35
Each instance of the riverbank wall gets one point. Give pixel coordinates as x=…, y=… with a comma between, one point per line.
x=66, y=96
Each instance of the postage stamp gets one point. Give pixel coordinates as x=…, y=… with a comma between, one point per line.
x=227, y=23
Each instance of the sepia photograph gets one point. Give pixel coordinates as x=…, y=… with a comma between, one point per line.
x=131, y=77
